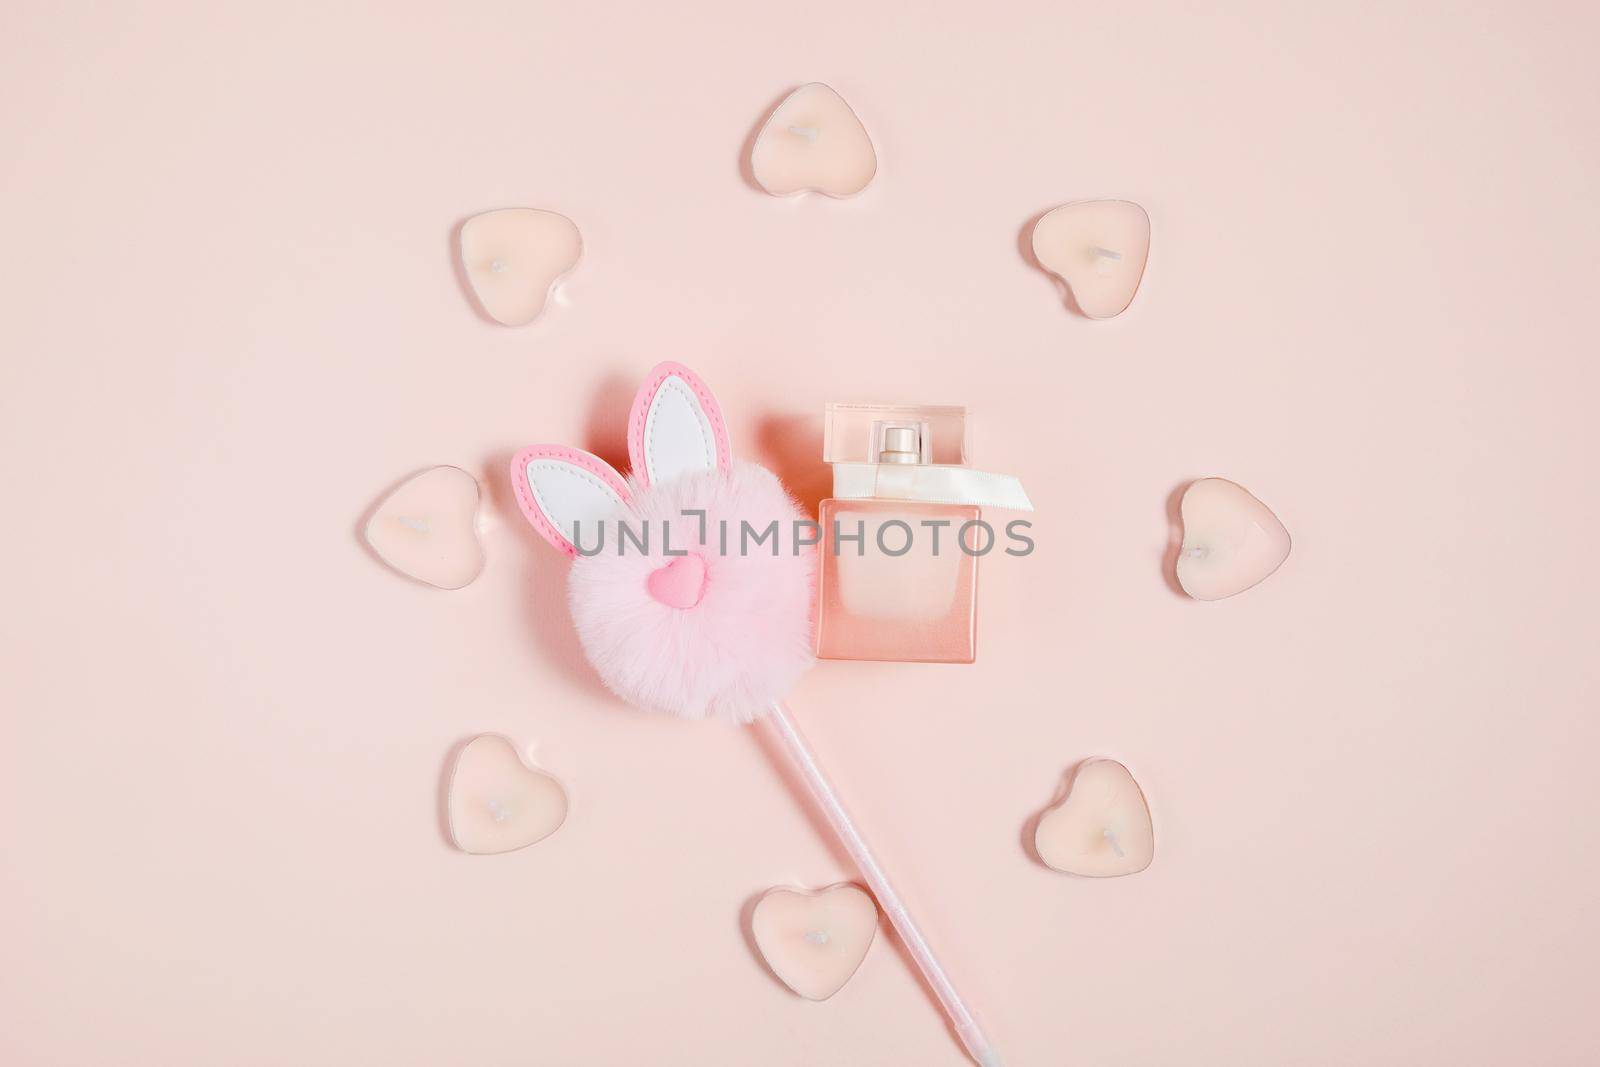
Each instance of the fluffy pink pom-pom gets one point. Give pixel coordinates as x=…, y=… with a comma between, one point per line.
x=744, y=641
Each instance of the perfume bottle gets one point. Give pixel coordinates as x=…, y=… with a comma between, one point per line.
x=902, y=535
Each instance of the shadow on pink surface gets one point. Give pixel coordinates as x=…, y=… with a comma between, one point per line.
x=1025, y=250
x=1169, y=558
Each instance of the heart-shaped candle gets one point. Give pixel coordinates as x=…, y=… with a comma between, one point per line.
x=1101, y=828
x=814, y=941
x=428, y=530
x=514, y=258
x=1098, y=249
x=813, y=142
x=1231, y=540
x=497, y=803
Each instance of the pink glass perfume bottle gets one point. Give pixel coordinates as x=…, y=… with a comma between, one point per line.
x=903, y=534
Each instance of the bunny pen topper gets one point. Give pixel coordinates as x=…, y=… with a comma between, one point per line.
x=675, y=609
x=688, y=613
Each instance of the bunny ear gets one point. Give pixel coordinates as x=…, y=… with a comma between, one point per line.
x=558, y=488
x=676, y=426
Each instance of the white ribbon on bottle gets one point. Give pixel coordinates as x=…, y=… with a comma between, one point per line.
x=932, y=483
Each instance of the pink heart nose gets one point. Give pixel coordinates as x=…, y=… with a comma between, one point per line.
x=679, y=584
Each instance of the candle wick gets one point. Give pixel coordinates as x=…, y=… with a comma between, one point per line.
x=1111, y=839
x=810, y=133
x=1106, y=253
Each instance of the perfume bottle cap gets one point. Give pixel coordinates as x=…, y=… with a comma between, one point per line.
x=899, y=452
x=895, y=433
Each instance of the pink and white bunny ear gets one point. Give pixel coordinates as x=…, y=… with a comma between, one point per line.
x=675, y=427
x=558, y=488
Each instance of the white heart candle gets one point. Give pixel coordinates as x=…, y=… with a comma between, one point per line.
x=1098, y=249
x=813, y=142
x=514, y=258
x=427, y=529
x=1231, y=540
x=1102, y=826
x=814, y=941
x=497, y=803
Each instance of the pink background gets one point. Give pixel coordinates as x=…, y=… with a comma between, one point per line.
x=231, y=321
